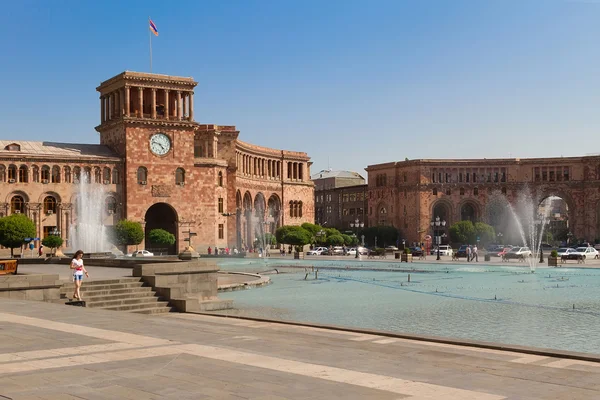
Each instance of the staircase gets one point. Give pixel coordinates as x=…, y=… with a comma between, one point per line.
x=124, y=294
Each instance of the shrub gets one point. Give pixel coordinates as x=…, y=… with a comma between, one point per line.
x=407, y=250
x=161, y=237
x=554, y=253
x=14, y=229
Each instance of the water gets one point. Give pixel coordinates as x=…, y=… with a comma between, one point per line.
x=88, y=233
x=502, y=304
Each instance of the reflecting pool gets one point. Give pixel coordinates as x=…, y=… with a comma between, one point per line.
x=556, y=308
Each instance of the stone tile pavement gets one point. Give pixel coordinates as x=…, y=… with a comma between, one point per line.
x=51, y=351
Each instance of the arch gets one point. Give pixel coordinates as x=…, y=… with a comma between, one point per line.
x=180, y=176
x=238, y=200
x=49, y=193
x=23, y=174
x=87, y=174
x=161, y=216
x=382, y=214
x=274, y=212
x=106, y=175
x=557, y=209
x=260, y=205
x=220, y=179
x=2, y=173
x=469, y=211
x=67, y=174
x=12, y=173
x=247, y=201
x=55, y=177
x=76, y=174
x=24, y=195
x=142, y=175
x=115, y=176
x=442, y=209
x=45, y=174
x=49, y=205
x=17, y=204
x=97, y=175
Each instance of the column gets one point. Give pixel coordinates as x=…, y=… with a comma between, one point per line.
x=140, y=102
x=167, y=104
x=215, y=146
x=179, y=106
x=113, y=106
x=153, y=103
x=191, y=104
x=127, y=101
x=119, y=103
x=102, y=110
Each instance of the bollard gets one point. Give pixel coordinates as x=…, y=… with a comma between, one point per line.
x=573, y=306
x=495, y=298
x=409, y=277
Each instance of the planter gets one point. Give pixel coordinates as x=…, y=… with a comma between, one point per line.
x=553, y=261
x=406, y=258
x=299, y=255
x=396, y=255
x=487, y=257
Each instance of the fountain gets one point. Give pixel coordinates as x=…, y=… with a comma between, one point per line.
x=89, y=233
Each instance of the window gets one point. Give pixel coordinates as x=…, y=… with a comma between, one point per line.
x=198, y=148
x=97, y=175
x=475, y=192
x=142, y=175
x=345, y=197
x=106, y=176
x=221, y=231
x=76, y=175
x=23, y=174
x=434, y=192
x=344, y=211
x=551, y=175
x=496, y=176
x=404, y=175
x=382, y=216
x=448, y=192
x=504, y=190
x=352, y=197
x=359, y=211
x=503, y=178
x=67, y=173
x=467, y=177
x=300, y=209
x=447, y=177
x=474, y=177
x=433, y=177
x=220, y=179
x=87, y=174
x=220, y=205
x=292, y=209
x=111, y=205
x=566, y=174
x=17, y=205
x=460, y=176
x=12, y=173
x=180, y=177
x=544, y=174
x=49, y=205
x=352, y=211
x=45, y=174
x=462, y=191
x=115, y=176
x=55, y=174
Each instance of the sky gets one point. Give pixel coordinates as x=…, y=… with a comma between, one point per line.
x=352, y=83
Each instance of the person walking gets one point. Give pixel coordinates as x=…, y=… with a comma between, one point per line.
x=78, y=271
x=475, y=253
x=41, y=250
x=469, y=253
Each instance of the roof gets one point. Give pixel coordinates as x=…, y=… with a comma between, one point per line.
x=328, y=173
x=60, y=150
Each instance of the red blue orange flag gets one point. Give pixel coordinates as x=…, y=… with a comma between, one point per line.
x=153, y=28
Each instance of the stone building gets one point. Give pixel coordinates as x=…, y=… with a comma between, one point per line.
x=160, y=167
x=410, y=194
x=340, y=198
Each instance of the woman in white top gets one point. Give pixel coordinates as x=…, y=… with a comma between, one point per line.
x=79, y=270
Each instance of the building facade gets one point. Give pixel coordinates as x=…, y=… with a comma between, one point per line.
x=159, y=167
x=340, y=199
x=410, y=194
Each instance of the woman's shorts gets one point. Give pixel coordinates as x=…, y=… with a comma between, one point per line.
x=77, y=277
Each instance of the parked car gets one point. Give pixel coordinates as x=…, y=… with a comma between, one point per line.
x=317, y=251
x=338, y=251
x=141, y=253
x=597, y=246
x=391, y=248
x=502, y=252
x=462, y=251
x=586, y=252
x=518, y=253
x=445, y=250
x=416, y=251
x=566, y=253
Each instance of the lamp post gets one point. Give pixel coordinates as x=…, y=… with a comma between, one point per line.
x=500, y=237
x=436, y=223
x=357, y=224
x=569, y=238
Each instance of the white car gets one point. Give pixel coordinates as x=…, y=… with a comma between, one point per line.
x=317, y=251
x=363, y=251
x=518, y=253
x=445, y=250
x=565, y=251
x=338, y=251
x=141, y=253
x=586, y=252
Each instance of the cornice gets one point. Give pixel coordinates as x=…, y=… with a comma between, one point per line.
x=52, y=159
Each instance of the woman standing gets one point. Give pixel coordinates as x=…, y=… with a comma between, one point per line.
x=79, y=270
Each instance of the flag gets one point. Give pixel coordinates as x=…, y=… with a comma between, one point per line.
x=153, y=28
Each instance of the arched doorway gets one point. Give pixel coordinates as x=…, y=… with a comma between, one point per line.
x=468, y=212
x=274, y=213
x=161, y=216
x=553, y=212
x=248, y=228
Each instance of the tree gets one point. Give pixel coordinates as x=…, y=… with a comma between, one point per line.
x=14, y=229
x=52, y=242
x=386, y=235
x=294, y=235
x=128, y=233
x=161, y=237
x=485, y=233
x=335, y=240
x=348, y=240
x=462, y=232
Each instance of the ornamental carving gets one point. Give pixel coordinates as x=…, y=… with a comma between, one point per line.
x=161, y=191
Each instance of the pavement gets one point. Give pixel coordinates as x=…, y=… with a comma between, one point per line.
x=52, y=351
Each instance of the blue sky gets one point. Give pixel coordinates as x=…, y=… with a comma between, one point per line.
x=350, y=82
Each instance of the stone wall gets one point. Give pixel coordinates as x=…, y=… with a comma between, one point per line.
x=30, y=287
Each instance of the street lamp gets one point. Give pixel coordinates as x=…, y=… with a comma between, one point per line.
x=436, y=223
x=357, y=224
x=500, y=237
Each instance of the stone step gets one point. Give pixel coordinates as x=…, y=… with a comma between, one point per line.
x=123, y=296
x=121, y=302
x=87, y=287
x=153, y=310
x=108, y=292
x=138, y=306
x=110, y=281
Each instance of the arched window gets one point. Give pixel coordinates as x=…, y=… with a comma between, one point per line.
x=291, y=209
x=97, y=175
x=462, y=191
x=300, y=209
x=2, y=173
x=67, y=172
x=23, y=174
x=56, y=174
x=49, y=205
x=45, y=174
x=12, y=173
x=475, y=191
x=180, y=176
x=115, y=176
x=448, y=192
x=142, y=175
x=17, y=205
x=434, y=192
x=382, y=216
x=220, y=178
x=87, y=174
x=76, y=175
x=111, y=205
x=106, y=176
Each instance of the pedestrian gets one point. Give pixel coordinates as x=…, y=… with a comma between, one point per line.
x=41, y=250
x=469, y=253
x=78, y=271
x=209, y=250
x=475, y=253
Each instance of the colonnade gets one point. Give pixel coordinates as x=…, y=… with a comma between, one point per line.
x=263, y=167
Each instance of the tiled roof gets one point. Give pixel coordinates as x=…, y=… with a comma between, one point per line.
x=327, y=173
x=52, y=149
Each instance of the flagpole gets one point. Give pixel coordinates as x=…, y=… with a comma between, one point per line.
x=150, y=36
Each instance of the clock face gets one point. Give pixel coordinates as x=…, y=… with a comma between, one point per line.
x=160, y=144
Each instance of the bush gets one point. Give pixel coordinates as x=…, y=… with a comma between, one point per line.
x=554, y=253
x=335, y=240
x=161, y=237
x=128, y=233
x=14, y=229
x=407, y=250
x=294, y=235
x=52, y=242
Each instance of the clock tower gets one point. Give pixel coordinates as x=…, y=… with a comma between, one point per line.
x=148, y=120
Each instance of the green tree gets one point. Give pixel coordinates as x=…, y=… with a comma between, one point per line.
x=161, y=237
x=128, y=233
x=348, y=240
x=14, y=229
x=294, y=235
x=462, y=232
x=335, y=240
x=485, y=233
x=52, y=242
